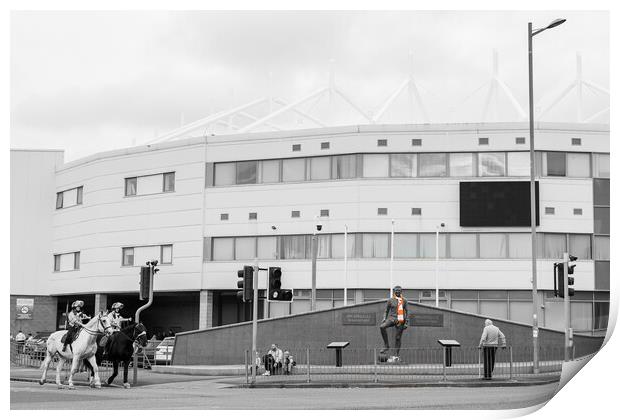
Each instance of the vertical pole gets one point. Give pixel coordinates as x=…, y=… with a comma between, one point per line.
x=533, y=208
x=391, y=261
x=345, y=264
x=437, y=267
x=567, y=335
x=308, y=363
x=314, y=252
x=375, y=359
x=254, y=314
x=246, y=366
x=510, y=348
x=140, y=309
x=444, y=363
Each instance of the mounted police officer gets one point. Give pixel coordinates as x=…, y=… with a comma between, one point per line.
x=115, y=318
x=75, y=320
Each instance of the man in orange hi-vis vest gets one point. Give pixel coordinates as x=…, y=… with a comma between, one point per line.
x=395, y=316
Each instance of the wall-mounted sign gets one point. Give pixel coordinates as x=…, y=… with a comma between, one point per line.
x=24, y=308
x=426, y=320
x=359, y=318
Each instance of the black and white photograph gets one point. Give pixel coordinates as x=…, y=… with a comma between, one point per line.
x=277, y=209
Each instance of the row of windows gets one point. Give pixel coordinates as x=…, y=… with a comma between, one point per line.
x=67, y=262
x=69, y=198
x=406, y=246
x=407, y=165
x=141, y=254
x=149, y=184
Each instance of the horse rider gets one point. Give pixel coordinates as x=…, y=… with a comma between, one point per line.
x=75, y=319
x=115, y=318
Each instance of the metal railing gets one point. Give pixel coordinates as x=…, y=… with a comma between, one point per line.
x=414, y=364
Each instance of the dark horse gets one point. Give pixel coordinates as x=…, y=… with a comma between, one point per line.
x=120, y=348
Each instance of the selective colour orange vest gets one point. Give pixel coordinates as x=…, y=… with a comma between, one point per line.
x=400, y=310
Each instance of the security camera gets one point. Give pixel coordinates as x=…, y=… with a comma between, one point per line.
x=443, y=225
x=273, y=227
x=319, y=227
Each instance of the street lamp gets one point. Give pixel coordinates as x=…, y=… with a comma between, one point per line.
x=441, y=226
x=530, y=34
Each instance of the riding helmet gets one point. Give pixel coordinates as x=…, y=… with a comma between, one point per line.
x=77, y=303
x=117, y=305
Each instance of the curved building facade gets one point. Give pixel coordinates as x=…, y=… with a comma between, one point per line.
x=204, y=207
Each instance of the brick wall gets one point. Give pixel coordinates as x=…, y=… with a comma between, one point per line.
x=43, y=315
x=226, y=344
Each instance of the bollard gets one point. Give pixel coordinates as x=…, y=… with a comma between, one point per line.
x=444, y=363
x=479, y=350
x=308, y=363
x=375, y=358
x=247, y=379
x=510, y=348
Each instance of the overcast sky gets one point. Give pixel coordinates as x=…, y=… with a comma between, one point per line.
x=93, y=81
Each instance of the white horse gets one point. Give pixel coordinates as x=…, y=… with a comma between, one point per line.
x=83, y=347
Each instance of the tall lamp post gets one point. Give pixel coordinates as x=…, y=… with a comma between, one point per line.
x=533, y=208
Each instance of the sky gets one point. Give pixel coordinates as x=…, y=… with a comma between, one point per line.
x=92, y=81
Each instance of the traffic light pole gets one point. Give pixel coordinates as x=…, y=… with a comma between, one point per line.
x=567, y=330
x=140, y=309
x=254, y=319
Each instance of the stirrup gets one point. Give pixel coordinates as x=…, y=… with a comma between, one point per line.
x=384, y=350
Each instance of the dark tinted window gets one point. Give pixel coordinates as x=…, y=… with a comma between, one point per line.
x=556, y=164
x=601, y=192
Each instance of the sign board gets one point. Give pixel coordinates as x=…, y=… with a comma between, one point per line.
x=426, y=320
x=24, y=308
x=359, y=318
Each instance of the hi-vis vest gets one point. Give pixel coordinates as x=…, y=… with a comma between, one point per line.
x=400, y=310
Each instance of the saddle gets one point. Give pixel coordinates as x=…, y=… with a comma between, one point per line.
x=64, y=337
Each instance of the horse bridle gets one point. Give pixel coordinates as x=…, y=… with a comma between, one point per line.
x=91, y=332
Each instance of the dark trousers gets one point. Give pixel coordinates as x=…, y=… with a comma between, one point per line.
x=388, y=323
x=488, y=356
x=270, y=364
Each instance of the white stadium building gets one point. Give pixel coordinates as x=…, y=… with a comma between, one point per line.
x=205, y=206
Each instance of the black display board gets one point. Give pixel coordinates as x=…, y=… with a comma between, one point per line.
x=496, y=203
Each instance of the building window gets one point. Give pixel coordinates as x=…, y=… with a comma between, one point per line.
x=601, y=165
x=245, y=248
x=225, y=173
x=601, y=248
x=169, y=182
x=246, y=172
x=76, y=260
x=128, y=256
x=554, y=245
x=483, y=141
x=166, y=254
x=223, y=216
x=403, y=165
x=578, y=165
x=293, y=247
x=461, y=164
x=375, y=245
x=297, y=148
x=376, y=165
x=518, y=163
x=520, y=140
x=577, y=212
x=253, y=216
x=382, y=211
x=293, y=170
x=69, y=198
x=428, y=242
x=580, y=246
x=463, y=245
x=416, y=211
x=492, y=164
x=405, y=245
x=344, y=167
x=576, y=141
x=267, y=248
x=324, y=145
x=295, y=213
x=324, y=212
x=131, y=186
x=601, y=192
x=320, y=168
x=270, y=171
x=493, y=245
x=549, y=210
x=416, y=142
x=519, y=245
x=601, y=220
x=382, y=142
x=56, y=262
x=556, y=164
x=223, y=249
x=432, y=164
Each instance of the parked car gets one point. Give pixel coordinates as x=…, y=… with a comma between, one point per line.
x=163, y=352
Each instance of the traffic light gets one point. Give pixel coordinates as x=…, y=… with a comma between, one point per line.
x=145, y=282
x=571, y=270
x=247, y=284
x=274, y=289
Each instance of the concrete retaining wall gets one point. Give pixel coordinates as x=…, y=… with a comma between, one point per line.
x=226, y=345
